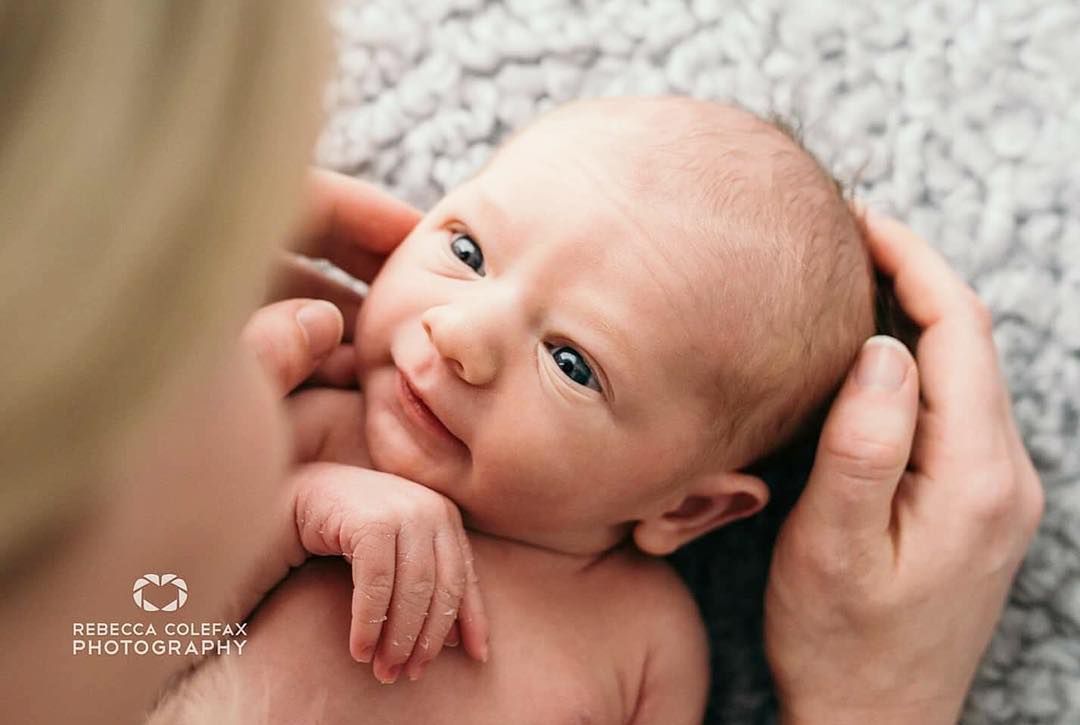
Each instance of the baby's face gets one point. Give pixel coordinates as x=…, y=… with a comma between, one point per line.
x=552, y=327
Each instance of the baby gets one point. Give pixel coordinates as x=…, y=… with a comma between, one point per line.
x=583, y=347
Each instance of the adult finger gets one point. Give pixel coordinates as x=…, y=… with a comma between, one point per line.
x=925, y=284
x=338, y=370
x=291, y=338
x=864, y=445
x=354, y=224
x=414, y=583
x=445, y=602
x=295, y=276
x=963, y=391
x=957, y=358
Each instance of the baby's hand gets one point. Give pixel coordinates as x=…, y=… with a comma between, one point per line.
x=411, y=561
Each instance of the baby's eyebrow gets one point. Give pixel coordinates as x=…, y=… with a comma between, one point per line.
x=488, y=208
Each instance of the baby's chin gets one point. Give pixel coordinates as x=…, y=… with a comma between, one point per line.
x=391, y=451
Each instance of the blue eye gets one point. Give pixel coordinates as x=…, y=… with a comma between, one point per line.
x=468, y=251
x=573, y=365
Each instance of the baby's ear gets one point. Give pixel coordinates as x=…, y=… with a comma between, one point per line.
x=712, y=500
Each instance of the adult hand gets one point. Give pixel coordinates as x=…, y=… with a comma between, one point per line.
x=892, y=570
x=354, y=225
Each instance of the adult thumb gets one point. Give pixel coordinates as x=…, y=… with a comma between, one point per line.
x=865, y=443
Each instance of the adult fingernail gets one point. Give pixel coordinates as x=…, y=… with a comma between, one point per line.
x=321, y=323
x=882, y=364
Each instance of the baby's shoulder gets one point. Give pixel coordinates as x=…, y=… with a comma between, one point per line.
x=661, y=615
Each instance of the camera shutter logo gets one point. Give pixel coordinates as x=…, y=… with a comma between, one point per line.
x=160, y=580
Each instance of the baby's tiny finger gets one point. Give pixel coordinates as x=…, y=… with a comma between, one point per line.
x=449, y=584
x=472, y=617
x=373, y=558
x=414, y=582
x=453, y=637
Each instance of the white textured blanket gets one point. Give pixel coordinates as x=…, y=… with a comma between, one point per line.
x=964, y=118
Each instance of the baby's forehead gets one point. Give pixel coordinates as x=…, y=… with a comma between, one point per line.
x=656, y=135
x=686, y=170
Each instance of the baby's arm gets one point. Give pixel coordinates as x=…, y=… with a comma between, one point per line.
x=675, y=682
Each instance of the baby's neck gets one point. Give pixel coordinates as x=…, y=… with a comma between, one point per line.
x=542, y=560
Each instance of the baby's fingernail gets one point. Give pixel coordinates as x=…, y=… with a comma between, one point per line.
x=484, y=652
x=882, y=364
x=391, y=675
x=321, y=322
x=417, y=671
x=452, y=640
x=365, y=654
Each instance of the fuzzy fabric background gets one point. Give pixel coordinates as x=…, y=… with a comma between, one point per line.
x=964, y=119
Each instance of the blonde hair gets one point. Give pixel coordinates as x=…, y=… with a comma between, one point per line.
x=151, y=156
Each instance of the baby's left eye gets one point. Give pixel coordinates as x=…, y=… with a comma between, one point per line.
x=573, y=365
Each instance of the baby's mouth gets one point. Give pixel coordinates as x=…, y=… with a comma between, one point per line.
x=422, y=412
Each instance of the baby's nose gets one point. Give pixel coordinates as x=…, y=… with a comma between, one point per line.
x=464, y=346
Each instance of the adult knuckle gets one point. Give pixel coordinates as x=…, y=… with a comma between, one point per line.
x=817, y=556
x=862, y=457
x=279, y=347
x=993, y=497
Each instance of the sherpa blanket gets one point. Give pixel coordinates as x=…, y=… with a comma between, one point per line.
x=960, y=117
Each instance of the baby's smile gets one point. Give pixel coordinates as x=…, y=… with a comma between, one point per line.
x=422, y=418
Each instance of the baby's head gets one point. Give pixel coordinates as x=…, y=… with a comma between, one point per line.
x=633, y=301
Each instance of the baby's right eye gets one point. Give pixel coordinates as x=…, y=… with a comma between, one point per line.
x=468, y=251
